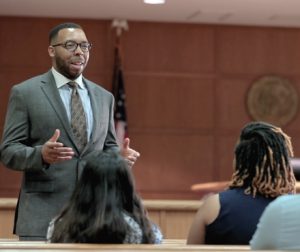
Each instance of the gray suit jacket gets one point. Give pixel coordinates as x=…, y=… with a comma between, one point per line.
x=35, y=110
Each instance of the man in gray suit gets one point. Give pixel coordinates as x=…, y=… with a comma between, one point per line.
x=38, y=138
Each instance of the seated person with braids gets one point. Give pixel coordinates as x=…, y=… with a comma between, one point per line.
x=262, y=172
x=104, y=207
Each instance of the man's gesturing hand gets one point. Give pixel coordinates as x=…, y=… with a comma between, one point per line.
x=129, y=154
x=54, y=152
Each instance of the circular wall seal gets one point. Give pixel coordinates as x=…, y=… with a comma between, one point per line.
x=272, y=99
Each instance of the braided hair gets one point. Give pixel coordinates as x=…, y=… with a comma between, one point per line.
x=262, y=162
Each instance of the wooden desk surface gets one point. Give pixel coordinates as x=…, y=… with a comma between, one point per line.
x=218, y=186
x=210, y=186
x=15, y=240
x=167, y=246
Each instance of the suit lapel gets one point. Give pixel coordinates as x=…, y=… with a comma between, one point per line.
x=50, y=90
x=97, y=107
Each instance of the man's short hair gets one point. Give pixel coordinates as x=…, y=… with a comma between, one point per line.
x=54, y=31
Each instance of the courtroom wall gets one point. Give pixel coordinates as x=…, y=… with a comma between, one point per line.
x=186, y=88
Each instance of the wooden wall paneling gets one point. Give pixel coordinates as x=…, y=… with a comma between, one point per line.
x=173, y=48
x=10, y=182
x=240, y=50
x=170, y=164
x=6, y=220
x=283, y=54
x=231, y=95
x=293, y=126
x=178, y=223
x=100, y=34
x=295, y=136
x=169, y=103
x=155, y=216
x=293, y=129
x=253, y=50
x=23, y=43
x=225, y=152
x=3, y=104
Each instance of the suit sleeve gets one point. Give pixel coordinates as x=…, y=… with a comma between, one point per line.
x=16, y=150
x=110, y=140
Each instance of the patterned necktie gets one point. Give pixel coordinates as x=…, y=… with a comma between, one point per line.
x=78, y=120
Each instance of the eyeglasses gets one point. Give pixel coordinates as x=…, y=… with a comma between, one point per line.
x=72, y=46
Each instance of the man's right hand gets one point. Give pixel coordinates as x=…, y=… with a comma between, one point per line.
x=54, y=152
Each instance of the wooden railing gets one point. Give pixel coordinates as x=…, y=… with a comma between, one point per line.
x=174, y=217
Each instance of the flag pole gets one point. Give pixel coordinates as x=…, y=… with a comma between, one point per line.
x=118, y=87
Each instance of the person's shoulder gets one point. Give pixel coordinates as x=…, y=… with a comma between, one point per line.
x=231, y=194
x=286, y=201
x=209, y=209
x=212, y=202
x=97, y=87
x=211, y=198
x=282, y=204
x=31, y=82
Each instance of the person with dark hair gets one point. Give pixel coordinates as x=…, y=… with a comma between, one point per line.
x=262, y=172
x=54, y=122
x=104, y=207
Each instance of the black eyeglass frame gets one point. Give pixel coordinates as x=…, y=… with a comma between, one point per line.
x=64, y=45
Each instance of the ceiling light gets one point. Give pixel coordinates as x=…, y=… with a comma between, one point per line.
x=154, y=1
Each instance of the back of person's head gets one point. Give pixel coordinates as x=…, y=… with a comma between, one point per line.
x=95, y=212
x=262, y=161
x=106, y=179
x=54, y=31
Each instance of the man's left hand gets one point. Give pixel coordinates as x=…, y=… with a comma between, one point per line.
x=129, y=154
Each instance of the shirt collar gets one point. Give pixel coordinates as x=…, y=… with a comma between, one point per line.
x=62, y=80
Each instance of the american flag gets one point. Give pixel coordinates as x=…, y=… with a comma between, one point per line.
x=120, y=115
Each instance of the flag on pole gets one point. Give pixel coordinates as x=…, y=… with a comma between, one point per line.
x=118, y=90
